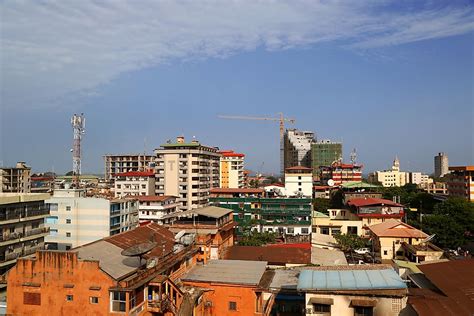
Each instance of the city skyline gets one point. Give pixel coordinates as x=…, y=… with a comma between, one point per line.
x=390, y=79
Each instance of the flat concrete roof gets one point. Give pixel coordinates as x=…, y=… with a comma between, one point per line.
x=228, y=272
x=209, y=211
x=10, y=198
x=327, y=257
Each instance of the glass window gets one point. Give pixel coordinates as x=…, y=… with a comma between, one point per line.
x=321, y=308
x=118, y=301
x=69, y=298
x=304, y=230
x=68, y=208
x=324, y=230
x=68, y=221
x=232, y=306
x=68, y=234
x=94, y=300
x=363, y=311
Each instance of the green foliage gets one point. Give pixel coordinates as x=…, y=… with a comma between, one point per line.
x=321, y=205
x=257, y=239
x=348, y=242
x=70, y=173
x=452, y=221
x=254, y=183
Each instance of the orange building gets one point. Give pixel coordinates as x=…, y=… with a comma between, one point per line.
x=101, y=278
x=235, y=287
x=212, y=225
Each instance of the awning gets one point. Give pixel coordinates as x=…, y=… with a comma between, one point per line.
x=321, y=300
x=363, y=303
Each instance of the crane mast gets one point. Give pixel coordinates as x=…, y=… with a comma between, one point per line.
x=78, y=123
x=281, y=119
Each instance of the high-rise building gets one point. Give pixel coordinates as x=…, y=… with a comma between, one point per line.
x=232, y=170
x=188, y=171
x=21, y=226
x=325, y=153
x=75, y=219
x=297, y=148
x=127, y=162
x=390, y=178
x=15, y=179
x=441, y=165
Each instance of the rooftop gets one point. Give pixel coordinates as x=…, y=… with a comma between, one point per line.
x=228, y=272
x=368, y=201
x=357, y=184
x=461, y=168
x=10, y=198
x=395, y=228
x=135, y=174
x=209, y=211
x=230, y=153
x=374, y=279
x=327, y=257
x=272, y=255
x=108, y=251
x=237, y=190
x=300, y=168
x=153, y=198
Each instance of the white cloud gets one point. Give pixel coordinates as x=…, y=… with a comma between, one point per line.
x=52, y=49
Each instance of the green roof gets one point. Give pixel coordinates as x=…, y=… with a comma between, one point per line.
x=319, y=214
x=356, y=184
x=408, y=265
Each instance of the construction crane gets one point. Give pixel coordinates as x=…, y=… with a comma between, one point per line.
x=280, y=119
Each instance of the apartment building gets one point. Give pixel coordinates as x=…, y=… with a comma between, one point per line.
x=441, y=165
x=390, y=178
x=340, y=173
x=299, y=182
x=153, y=208
x=325, y=153
x=15, y=179
x=134, y=183
x=231, y=170
x=121, y=163
x=297, y=148
x=22, y=226
x=75, y=219
x=461, y=182
x=188, y=171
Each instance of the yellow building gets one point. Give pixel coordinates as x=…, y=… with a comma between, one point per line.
x=390, y=178
x=231, y=170
x=396, y=240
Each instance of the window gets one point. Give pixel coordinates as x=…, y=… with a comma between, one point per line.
x=363, y=311
x=68, y=208
x=321, y=308
x=233, y=306
x=324, y=230
x=94, y=300
x=304, y=230
x=290, y=230
x=118, y=301
x=53, y=232
x=68, y=234
x=299, y=183
x=53, y=206
x=68, y=221
x=69, y=298
x=385, y=252
x=352, y=230
x=299, y=177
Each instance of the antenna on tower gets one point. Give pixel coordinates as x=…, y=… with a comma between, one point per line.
x=78, y=123
x=353, y=156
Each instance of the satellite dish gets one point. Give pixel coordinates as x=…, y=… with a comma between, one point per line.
x=179, y=235
x=331, y=182
x=428, y=238
x=139, y=250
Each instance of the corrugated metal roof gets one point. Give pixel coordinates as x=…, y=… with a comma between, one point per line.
x=350, y=280
x=228, y=272
x=273, y=255
x=209, y=211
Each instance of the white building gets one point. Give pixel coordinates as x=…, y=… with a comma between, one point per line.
x=297, y=148
x=153, y=208
x=231, y=170
x=390, y=178
x=299, y=181
x=75, y=219
x=441, y=165
x=134, y=183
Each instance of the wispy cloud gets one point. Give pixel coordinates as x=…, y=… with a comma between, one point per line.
x=51, y=49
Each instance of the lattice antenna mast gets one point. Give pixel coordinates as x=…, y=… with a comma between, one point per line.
x=78, y=123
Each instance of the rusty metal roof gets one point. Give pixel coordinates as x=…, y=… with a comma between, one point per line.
x=273, y=255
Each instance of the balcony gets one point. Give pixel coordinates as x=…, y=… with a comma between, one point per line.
x=11, y=238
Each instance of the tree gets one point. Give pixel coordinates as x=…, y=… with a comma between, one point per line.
x=321, y=205
x=70, y=173
x=349, y=242
x=452, y=221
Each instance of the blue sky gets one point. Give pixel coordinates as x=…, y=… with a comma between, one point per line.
x=384, y=77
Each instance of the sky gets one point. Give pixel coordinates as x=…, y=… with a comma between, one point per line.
x=389, y=78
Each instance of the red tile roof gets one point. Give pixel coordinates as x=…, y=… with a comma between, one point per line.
x=299, y=168
x=153, y=198
x=395, y=228
x=143, y=234
x=230, y=153
x=236, y=190
x=273, y=255
x=322, y=187
x=358, y=202
x=304, y=245
x=274, y=185
x=135, y=174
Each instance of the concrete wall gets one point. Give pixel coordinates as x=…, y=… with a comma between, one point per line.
x=301, y=182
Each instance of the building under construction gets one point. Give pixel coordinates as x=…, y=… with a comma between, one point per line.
x=121, y=163
x=297, y=148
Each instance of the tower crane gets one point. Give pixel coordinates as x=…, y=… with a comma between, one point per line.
x=281, y=119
